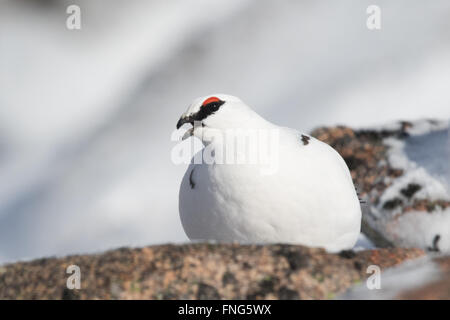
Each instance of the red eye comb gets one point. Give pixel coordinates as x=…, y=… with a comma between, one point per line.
x=209, y=100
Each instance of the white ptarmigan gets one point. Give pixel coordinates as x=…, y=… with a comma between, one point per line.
x=308, y=199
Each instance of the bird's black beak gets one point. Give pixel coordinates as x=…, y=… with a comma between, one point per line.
x=184, y=120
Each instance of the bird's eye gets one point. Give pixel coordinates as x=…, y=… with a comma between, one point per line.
x=210, y=100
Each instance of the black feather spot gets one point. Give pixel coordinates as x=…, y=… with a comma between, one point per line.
x=435, y=246
x=305, y=139
x=191, y=180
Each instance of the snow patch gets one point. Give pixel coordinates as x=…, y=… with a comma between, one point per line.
x=414, y=128
x=425, y=230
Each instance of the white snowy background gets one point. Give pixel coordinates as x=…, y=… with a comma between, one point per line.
x=86, y=116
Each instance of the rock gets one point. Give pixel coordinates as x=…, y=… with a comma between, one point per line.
x=200, y=271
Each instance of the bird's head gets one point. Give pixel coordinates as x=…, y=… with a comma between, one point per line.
x=219, y=112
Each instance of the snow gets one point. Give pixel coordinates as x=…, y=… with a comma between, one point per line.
x=431, y=188
x=419, y=229
x=431, y=152
x=419, y=127
x=424, y=126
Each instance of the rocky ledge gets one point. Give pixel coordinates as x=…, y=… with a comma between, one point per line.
x=202, y=271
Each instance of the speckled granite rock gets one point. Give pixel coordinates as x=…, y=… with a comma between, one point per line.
x=199, y=271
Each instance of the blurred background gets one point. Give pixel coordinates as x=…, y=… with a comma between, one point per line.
x=86, y=116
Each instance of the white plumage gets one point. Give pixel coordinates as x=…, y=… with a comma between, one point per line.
x=308, y=199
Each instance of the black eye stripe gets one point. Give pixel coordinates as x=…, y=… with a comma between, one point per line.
x=207, y=110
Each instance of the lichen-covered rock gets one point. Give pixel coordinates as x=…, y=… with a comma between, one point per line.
x=199, y=271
